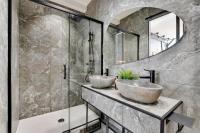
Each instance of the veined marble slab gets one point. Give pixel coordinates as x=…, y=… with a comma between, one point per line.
x=161, y=109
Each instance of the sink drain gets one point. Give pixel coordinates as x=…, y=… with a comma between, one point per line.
x=61, y=120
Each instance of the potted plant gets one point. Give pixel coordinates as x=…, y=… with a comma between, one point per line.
x=127, y=75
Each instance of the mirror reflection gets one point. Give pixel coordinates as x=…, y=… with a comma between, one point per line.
x=143, y=33
x=126, y=45
x=164, y=32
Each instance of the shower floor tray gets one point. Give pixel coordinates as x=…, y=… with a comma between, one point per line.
x=48, y=123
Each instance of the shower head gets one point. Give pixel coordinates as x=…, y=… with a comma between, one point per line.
x=75, y=18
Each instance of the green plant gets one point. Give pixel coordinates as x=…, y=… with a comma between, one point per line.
x=128, y=74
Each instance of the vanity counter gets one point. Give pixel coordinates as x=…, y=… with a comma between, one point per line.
x=163, y=107
x=136, y=117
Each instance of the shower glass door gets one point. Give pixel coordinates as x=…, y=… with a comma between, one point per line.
x=81, y=58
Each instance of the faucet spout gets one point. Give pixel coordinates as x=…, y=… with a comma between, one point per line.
x=151, y=76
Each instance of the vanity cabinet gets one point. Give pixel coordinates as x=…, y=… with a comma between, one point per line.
x=135, y=117
x=106, y=105
x=138, y=122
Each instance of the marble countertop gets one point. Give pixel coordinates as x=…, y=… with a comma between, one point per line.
x=162, y=108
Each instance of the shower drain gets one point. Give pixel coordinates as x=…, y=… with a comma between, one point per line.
x=61, y=120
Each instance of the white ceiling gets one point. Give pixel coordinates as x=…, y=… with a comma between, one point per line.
x=116, y=20
x=78, y=5
x=81, y=6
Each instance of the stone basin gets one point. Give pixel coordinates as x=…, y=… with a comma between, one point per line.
x=101, y=81
x=139, y=91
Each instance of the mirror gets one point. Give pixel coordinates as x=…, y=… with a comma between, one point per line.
x=143, y=33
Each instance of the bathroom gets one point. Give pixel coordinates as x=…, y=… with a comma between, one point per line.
x=53, y=50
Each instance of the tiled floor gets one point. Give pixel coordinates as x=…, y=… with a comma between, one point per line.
x=48, y=123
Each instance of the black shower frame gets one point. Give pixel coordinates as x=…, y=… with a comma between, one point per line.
x=9, y=68
x=9, y=81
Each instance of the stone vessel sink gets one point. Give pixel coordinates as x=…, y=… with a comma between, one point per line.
x=99, y=81
x=139, y=91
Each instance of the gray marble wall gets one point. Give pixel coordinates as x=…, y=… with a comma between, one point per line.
x=43, y=52
x=178, y=68
x=111, y=45
x=44, y=49
x=3, y=65
x=42, y=42
x=15, y=66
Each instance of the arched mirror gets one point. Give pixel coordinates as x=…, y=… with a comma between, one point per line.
x=143, y=33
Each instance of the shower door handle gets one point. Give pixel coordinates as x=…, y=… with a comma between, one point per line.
x=65, y=73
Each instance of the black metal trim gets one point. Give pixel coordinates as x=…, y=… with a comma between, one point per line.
x=157, y=15
x=123, y=130
x=9, y=80
x=65, y=71
x=172, y=110
x=177, y=28
x=68, y=68
x=123, y=50
x=148, y=39
x=162, y=126
x=126, y=31
x=138, y=47
x=109, y=126
x=102, y=39
x=138, y=109
x=86, y=116
x=80, y=125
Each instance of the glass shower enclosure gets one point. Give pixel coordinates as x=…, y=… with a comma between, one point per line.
x=84, y=59
x=59, y=50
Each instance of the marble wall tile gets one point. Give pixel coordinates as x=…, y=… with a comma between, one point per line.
x=15, y=65
x=3, y=65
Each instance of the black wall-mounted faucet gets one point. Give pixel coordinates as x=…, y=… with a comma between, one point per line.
x=106, y=72
x=151, y=75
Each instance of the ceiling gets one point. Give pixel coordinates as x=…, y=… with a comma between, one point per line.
x=81, y=6
x=116, y=20
x=77, y=5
